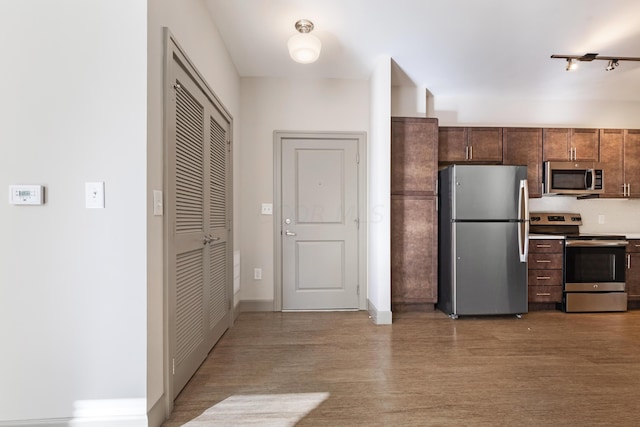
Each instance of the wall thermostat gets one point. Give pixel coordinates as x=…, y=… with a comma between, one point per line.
x=26, y=194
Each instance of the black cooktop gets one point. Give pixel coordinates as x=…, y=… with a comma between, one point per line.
x=594, y=237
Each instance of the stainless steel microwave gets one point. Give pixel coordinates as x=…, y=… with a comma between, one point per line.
x=573, y=178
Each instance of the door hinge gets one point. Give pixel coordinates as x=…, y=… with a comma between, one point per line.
x=173, y=365
x=358, y=289
x=358, y=158
x=357, y=221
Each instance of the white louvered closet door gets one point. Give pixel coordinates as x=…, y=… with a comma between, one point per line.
x=199, y=273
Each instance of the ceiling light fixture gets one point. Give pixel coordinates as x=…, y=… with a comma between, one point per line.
x=304, y=47
x=572, y=60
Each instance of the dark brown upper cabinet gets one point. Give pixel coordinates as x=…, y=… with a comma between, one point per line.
x=414, y=156
x=523, y=146
x=470, y=144
x=561, y=144
x=620, y=156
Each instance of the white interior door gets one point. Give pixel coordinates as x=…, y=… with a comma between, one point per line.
x=320, y=222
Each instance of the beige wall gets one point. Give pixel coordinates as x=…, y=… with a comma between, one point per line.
x=269, y=104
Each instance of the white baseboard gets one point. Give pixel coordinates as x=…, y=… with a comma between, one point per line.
x=379, y=317
x=95, y=413
x=140, y=421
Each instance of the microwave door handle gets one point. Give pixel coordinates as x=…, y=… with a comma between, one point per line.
x=588, y=179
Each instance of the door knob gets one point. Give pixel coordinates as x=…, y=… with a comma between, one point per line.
x=289, y=233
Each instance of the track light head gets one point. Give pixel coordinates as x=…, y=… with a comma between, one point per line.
x=612, y=64
x=572, y=64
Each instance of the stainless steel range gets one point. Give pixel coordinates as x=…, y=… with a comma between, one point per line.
x=594, y=265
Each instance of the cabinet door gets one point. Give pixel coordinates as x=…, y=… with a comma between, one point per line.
x=632, y=278
x=414, y=256
x=452, y=144
x=414, y=156
x=523, y=146
x=585, y=143
x=631, y=162
x=485, y=144
x=555, y=144
x=612, y=158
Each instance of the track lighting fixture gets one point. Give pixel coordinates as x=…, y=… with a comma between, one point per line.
x=572, y=60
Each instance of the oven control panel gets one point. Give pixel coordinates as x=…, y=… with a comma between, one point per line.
x=555, y=218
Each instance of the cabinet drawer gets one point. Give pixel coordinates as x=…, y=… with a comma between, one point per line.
x=633, y=246
x=545, y=293
x=545, y=277
x=552, y=245
x=545, y=261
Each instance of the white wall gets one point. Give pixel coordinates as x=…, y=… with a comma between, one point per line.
x=73, y=285
x=192, y=27
x=269, y=104
x=380, y=193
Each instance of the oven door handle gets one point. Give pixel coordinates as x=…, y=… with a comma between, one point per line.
x=595, y=243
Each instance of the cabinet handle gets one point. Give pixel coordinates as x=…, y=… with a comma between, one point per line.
x=628, y=190
x=471, y=152
x=543, y=260
x=543, y=294
x=629, y=260
x=544, y=278
x=637, y=246
x=543, y=246
x=466, y=152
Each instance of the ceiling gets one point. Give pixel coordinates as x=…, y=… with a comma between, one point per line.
x=497, y=48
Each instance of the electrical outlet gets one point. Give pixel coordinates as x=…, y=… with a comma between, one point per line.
x=600, y=219
x=257, y=274
x=267, y=209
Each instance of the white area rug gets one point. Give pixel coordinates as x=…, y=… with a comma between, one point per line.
x=263, y=410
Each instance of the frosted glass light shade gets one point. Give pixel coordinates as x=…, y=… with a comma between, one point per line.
x=304, y=48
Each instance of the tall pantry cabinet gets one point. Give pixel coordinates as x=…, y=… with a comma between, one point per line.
x=414, y=217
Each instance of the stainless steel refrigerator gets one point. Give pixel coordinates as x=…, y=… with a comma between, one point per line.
x=483, y=240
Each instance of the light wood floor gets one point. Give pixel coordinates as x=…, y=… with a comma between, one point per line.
x=546, y=369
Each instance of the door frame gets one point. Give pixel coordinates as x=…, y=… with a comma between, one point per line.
x=361, y=137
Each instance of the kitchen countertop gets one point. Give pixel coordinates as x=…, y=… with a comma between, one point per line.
x=545, y=237
x=555, y=236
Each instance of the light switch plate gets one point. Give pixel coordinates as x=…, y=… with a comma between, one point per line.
x=157, y=202
x=94, y=195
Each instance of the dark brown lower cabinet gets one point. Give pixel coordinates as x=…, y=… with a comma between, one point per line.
x=632, y=278
x=545, y=272
x=414, y=257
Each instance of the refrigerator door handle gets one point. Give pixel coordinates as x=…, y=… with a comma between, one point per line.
x=523, y=217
